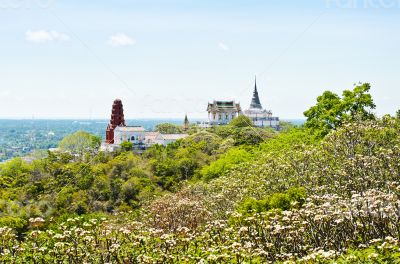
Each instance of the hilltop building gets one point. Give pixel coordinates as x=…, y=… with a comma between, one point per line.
x=134, y=134
x=222, y=112
x=143, y=139
x=117, y=119
x=261, y=117
x=118, y=132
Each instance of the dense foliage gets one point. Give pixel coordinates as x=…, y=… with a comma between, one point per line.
x=167, y=128
x=218, y=196
x=79, y=143
x=331, y=110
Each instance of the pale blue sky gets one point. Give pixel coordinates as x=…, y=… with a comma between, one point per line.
x=163, y=58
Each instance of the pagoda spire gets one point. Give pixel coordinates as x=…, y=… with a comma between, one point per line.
x=117, y=119
x=255, y=101
x=186, y=123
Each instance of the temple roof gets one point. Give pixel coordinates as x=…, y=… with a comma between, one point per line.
x=255, y=101
x=223, y=106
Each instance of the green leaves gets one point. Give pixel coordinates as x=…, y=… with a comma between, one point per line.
x=398, y=114
x=331, y=111
x=282, y=201
x=126, y=146
x=225, y=162
x=167, y=128
x=241, y=121
x=80, y=142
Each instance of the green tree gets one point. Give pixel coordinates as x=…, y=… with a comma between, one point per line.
x=358, y=103
x=225, y=162
x=80, y=142
x=251, y=135
x=241, y=121
x=398, y=114
x=126, y=146
x=332, y=110
x=15, y=173
x=167, y=128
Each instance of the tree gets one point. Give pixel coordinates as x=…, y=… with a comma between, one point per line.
x=126, y=146
x=358, y=103
x=398, y=114
x=251, y=135
x=331, y=110
x=241, y=121
x=219, y=167
x=167, y=128
x=80, y=142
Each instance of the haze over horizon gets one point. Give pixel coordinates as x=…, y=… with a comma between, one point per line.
x=165, y=58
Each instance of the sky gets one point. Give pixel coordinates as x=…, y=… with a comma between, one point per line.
x=165, y=58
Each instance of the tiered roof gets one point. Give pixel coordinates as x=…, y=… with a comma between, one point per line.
x=117, y=119
x=221, y=106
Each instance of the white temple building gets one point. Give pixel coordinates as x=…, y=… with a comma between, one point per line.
x=261, y=117
x=134, y=134
x=222, y=112
x=140, y=138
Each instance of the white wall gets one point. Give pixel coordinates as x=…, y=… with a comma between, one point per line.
x=122, y=136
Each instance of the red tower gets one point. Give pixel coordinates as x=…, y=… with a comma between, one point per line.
x=117, y=119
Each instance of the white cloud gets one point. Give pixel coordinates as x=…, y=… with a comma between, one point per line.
x=223, y=46
x=43, y=36
x=121, y=39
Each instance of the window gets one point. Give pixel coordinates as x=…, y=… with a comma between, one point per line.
x=226, y=116
x=219, y=117
x=133, y=138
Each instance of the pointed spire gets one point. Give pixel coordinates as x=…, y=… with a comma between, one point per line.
x=255, y=101
x=186, y=123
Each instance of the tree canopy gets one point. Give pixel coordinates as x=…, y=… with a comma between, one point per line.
x=80, y=142
x=241, y=121
x=331, y=110
x=167, y=128
x=126, y=146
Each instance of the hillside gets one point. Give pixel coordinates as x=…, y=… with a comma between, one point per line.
x=327, y=192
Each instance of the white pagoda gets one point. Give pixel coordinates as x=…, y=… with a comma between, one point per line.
x=261, y=117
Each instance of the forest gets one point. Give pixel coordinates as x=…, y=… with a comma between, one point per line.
x=324, y=192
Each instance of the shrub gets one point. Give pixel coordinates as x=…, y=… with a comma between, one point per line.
x=282, y=201
x=225, y=162
x=126, y=146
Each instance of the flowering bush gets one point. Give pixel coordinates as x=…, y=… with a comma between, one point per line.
x=325, y=228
